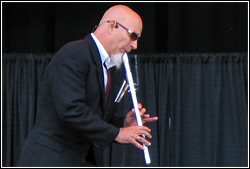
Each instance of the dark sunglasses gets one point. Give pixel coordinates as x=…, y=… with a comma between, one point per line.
x=134, y=36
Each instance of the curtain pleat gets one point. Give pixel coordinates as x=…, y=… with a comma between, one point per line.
x=21, y=76
x=201, y=101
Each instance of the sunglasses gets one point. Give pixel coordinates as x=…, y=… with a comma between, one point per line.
x=133, y=36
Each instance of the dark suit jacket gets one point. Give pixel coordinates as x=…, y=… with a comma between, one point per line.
x=71, y=113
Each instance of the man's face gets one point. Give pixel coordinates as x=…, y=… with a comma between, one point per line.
x=124, y=42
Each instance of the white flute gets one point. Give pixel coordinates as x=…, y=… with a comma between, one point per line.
x=135, y=102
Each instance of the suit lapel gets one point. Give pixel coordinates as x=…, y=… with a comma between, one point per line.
x=97, y=62
x=116, y=79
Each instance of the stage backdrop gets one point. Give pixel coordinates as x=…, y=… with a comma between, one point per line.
x=167, y=27
x=192, y=73
x=200, y=99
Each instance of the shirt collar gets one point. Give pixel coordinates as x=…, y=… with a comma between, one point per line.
x=103, y=53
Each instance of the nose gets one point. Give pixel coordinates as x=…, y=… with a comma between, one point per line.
x=134, y=44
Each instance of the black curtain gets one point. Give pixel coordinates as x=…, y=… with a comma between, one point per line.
x=21, y=76
x=201, y=101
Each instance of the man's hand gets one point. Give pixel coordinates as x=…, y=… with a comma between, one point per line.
x=133, y=135
x=130, y=119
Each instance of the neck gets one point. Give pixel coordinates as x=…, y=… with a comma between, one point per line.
x=104, y=40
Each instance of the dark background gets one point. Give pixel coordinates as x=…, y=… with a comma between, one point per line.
x=168, y=27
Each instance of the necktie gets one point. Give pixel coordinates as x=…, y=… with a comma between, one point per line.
x=108, y=86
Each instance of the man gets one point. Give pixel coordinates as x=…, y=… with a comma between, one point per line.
x=73, y=118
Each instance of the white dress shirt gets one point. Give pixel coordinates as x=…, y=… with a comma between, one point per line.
x=104, y=58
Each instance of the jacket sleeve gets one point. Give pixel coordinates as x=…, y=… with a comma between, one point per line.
x=68, y=85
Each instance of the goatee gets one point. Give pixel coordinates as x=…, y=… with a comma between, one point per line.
x=117, y=59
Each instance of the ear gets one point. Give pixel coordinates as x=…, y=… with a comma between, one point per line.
x=113, y=24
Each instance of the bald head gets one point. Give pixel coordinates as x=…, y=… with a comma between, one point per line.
x=115, y=27
x=121, y=13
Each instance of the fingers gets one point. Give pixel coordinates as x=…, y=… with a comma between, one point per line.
x=134, y=135
x=142, y=111
x=139, y=105
x=137, y=144
x=142, y=139
x=145, y=117
x=151, y=119
x=139, y=141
